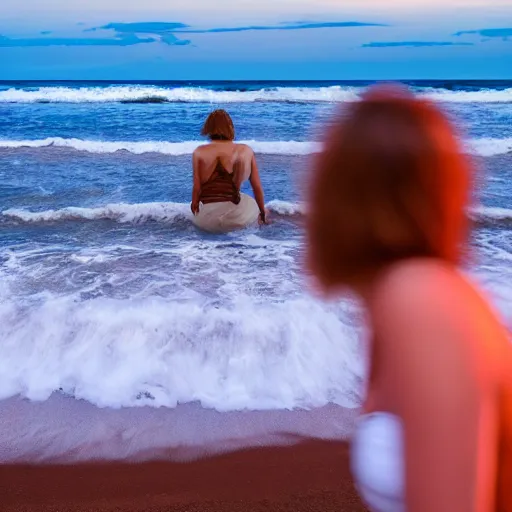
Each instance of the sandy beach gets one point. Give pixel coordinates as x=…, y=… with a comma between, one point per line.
x=309, y=476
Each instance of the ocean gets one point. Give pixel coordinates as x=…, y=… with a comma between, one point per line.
x=120, y=320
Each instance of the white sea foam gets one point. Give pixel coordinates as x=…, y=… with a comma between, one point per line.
x=151, y=93
x=115, y=353
x=166, y=148
x=122, y=212
x=485, y=147
x=481, y=96
x=141, y=93
x=490, y=147
x=134, y=213
x=173, y=212
x=286, y=207
x=491, y=213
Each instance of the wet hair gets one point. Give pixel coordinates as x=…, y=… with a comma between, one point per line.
x=219, y=126
x=391, y=182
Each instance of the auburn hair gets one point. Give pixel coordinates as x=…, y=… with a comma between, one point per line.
x=219, y=126
x=391, y=182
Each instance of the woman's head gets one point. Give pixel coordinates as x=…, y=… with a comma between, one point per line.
x=219, y=126
x=391, y=183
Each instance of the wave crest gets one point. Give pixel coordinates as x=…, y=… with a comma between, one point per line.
x=485, y=147
x=156, y=94
x=168, y=212
x=491, y=215
x=121, y=212
x=167, y=148
x=159, y=94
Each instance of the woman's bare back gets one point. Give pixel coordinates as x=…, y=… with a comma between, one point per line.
x=235, y=158
x=222, y=166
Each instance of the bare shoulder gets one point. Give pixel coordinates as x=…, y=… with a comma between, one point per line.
x=416, y=281
x=435, y=305
x=200, y=150
x=429, y=300
x=245, y=150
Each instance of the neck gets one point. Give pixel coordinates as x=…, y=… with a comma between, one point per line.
x=220, y=139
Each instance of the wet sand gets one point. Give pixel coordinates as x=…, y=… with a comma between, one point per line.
x=312, y=475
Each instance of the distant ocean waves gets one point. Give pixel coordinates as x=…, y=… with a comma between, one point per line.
x=485, y=147
x=161, y=94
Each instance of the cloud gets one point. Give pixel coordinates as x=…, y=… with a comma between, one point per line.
x=504, y=33
x=160, y=31
x=301, y=25
x=128, y=40
x=129, y=34
x=413, y=44
x=147, y=27
x=125, y=34
x=165, y=29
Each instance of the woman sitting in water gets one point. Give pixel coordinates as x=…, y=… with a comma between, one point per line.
x=387, y=220
x=220, y=168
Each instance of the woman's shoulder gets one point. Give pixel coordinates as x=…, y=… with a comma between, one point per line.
x=432, y=300
x=420, y=292
x=200, y=150
x=417, y=278
x=243, y=148
x=205, y=147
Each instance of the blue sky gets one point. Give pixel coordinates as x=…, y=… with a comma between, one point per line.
x=248, y=39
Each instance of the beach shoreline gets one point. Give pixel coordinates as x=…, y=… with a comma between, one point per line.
x=64, y=454
x=64, y=430
x=311, y=475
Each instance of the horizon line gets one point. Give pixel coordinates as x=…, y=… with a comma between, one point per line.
x=205, y=80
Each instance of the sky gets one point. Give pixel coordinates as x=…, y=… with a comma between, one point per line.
x=255, y=39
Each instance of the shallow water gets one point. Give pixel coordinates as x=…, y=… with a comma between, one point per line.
x=110, y=295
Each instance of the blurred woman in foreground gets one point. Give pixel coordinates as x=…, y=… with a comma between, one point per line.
x=388, y=222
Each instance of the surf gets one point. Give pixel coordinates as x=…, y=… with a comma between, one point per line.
x=173, y=213
x=159, y=94
x=485, y=147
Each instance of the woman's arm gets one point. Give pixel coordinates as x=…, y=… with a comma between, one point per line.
x=196, y=184
x=440, y=385
x=257, y=188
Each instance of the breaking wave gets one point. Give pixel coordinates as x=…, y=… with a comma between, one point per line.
x=168, y=212
x=159, y=94
x=485, y=147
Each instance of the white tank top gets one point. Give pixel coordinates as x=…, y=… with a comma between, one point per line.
x=377, y=461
